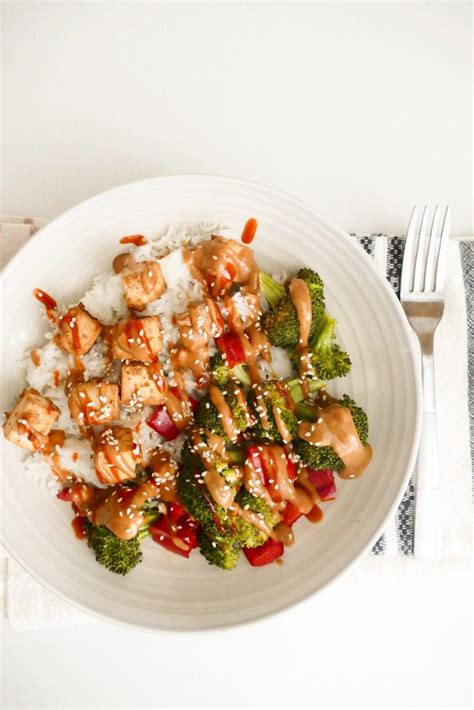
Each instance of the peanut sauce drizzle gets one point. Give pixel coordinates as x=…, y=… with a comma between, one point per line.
x=335, y=428
x=119, y=509
x=301, y=300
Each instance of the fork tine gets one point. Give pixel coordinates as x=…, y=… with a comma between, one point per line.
x=429, y=275
x=421, y=252
x=409, y=255
x=440, y=266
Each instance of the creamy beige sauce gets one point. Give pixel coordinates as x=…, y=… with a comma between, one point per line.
x=335, y=428
x=197, y=326
x=164, y=471
x=262, y=410
x=131, y=337
x=218, y=262
x=224, y=412
x=116, y=455
x=117, y=509
x=220, y=491
x=179, y=409
x=280, y=425
x=301, y=300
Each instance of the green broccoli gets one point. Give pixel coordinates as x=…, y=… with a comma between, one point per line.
x=223, y=532
x=248, y=535
x=221, y=373
x=197, y=500
x=275, y=393
x=117, y=555
x=207, y=416
x=281, y=322
x=318, y=457
x=221, y=554
x=296, y=390
x=327, y=358
x=271, y=289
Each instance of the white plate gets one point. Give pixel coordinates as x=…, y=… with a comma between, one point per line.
x=166, y=591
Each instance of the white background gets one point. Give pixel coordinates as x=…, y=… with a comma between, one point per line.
x=361, y=110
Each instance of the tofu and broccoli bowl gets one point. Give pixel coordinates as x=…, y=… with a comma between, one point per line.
x=186, y=398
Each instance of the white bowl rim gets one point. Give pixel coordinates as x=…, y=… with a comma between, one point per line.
x=413, y=358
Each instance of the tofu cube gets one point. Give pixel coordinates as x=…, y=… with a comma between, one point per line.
x=142, y=384
x=137, y=339
x=116, y=455
x=78, y=331
x=143, y=282
x=94, y=402
x=31, y=420
x=200, y=323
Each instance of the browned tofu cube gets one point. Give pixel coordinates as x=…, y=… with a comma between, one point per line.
x=137, y=339
x=200, y=323
x=78, y=331
x=31, y=420
x=94, y=402
x=143, y=282
x=142, y=384
x=116, y=455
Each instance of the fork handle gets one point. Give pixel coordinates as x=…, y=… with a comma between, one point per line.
x=427, y=518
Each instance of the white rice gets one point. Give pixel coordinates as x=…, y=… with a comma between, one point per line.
x=105, y=301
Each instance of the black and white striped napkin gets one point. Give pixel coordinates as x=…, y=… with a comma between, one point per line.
x=454, y=353
x=28, y=605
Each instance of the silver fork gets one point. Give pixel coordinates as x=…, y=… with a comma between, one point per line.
x=422, y=297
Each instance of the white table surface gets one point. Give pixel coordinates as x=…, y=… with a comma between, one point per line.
x=359, y=109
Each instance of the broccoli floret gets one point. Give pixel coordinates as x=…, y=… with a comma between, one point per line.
x=222, y=554
x=247, y=534
x=207, y=416
x=327, y=358
x=198, y=501
x=318, y=457
x=271, y=289
x=281, y=325
x=296, y=390
x=221, y=373
x=275, y=393
x=117, y=555
x=360, y=419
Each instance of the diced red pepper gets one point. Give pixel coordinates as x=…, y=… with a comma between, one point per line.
x=327, y=492
x=323, y=477
x=324, y=482
x=180, y=538
x=230, y=346
x=64, y=494
x=270, y=551
x=161, y=422
x=291, y=514
x=176, y=512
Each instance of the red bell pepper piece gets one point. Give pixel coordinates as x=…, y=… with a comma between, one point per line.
x=180, y=538
x=230, y=346
x=64, y=494
x=270, y=551
x=176, y=512
x=291, y=514
x=327, y=492
x=254, y=454
x=161, y=422
x=324, y=482
x=323, y=477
